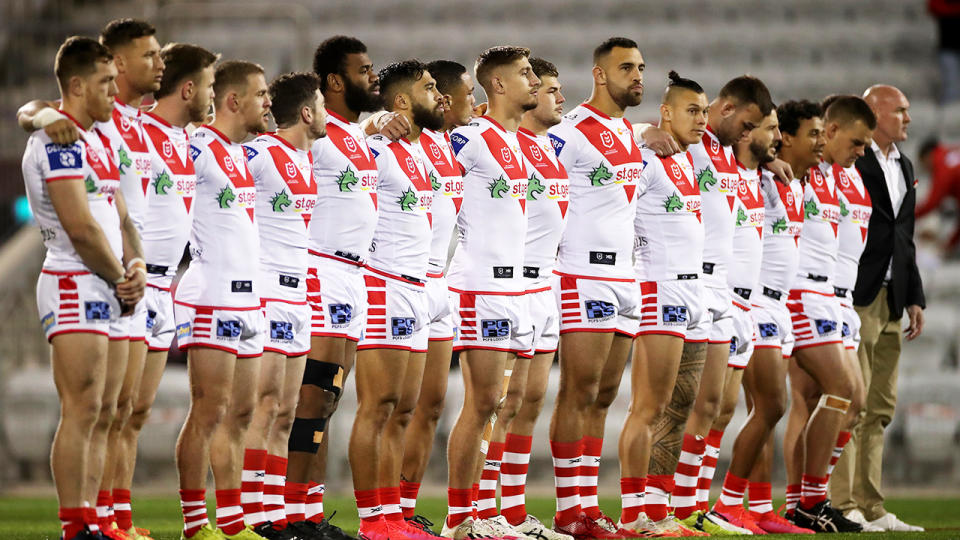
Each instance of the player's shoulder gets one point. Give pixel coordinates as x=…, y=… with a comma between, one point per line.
x=378, y=143
x=463, y=135
x=259, y=145
x=649, y=156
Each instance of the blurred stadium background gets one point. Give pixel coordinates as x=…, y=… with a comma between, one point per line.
x=801, y=49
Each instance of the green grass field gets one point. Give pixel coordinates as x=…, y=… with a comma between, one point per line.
x=35, y=518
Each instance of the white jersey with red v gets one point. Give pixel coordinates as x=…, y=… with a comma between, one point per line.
x=668, y=216
x=782, y=225
x=132, y=155
x=401, y=240
x=819, y=242
x=718, y=180
x=492, y=220
x=603, y=164
x=447, y=183
x=169, y=191
x=855, y=210
x=346, y=174
x=224, y=242
x=548, y=197
x=744, y=270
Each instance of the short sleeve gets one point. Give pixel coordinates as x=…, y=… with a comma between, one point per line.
x=61, y=161
x=565, y=140
x=466, y=147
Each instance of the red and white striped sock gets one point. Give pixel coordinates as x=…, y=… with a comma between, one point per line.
x=487, y=495
x=657, y=495
x=813, y=490
x=589, y=476
x=368, y=505
x=761, y=497
x=251, y=487
x=273, y=503
x=229, y=511
x=71, y=522
x=408, y=498
x=474, y=500
x=513, y=477
x=707, y=468
x=295, y=499
x=390, y=501
x=842, y=439
x=124, y=512
x=566, y=475
x=687, y=477
x=459, y=506
x=90, y=518
x=193, y=503
x=631, y=498
x=104, y=503
x=314, y=507
x=792, y=497
x=732, y=494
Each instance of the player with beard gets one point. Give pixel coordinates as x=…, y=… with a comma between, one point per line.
x=668, y=215
x=484, y=280
x=217, y=305
x=282, y=170
x=594, y=280
x=456, y=87
x=340, y=234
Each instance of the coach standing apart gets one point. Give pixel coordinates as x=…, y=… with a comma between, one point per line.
x=888, y=282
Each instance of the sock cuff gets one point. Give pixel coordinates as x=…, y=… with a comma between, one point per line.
x=228, y=497
x=714, y=438
x=662, y=482
x=843, y=438
x=566, y=450
x=592, y=446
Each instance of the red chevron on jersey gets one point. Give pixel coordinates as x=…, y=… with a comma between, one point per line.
x=826, y=197
x=416, y=176
x=293, y=176
x=686, y=185
x=612, y=149
x=129, y=132
x=858, y=200
x=442, y=161
x=105, y=171
x=721, y=163
x=350, y=148
x=509, y=162
x=547, y=169
x=752, y=202
x=793, y=205
x=226, y=164
x=169, y=156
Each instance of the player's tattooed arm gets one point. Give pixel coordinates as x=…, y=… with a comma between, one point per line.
x=39, y=114
x=667, y=433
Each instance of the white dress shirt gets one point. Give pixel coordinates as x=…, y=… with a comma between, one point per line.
x=896, y=185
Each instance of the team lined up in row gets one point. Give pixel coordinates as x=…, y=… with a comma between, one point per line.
x=326, y=242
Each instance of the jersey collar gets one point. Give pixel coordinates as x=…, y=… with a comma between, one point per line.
x=218, y=133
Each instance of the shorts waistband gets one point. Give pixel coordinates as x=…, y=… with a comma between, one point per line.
x=415, y=281
x=158, y=269
x=341, y=256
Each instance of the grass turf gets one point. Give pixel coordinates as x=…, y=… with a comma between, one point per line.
x=35, y=518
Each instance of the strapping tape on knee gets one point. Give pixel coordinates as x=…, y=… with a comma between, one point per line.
x=326, y=375
x=306, y=434
x=834, y=403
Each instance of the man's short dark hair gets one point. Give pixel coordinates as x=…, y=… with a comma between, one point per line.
x=231, y=74
x=447, y=73
x=121, y=32
x=543, y=68
x=845, y=110
x=609, y=44
x=495, y=57
x=748, y=90
x=79, y=56
x=792, y=113
x=331, y=56
x=183, y=61
x=827, y=101
x=397, y=77
x=675, y=81
x=289, y=93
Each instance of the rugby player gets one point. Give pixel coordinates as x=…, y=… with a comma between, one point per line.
x=217, y=305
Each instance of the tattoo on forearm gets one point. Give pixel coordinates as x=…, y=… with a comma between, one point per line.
x=667, y=433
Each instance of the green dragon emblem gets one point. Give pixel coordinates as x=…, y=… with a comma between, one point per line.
x=124, y=160
x=280, y=201
x=843, y=209
x=810, y=209
x=225, y=197
x=780, y=226
x=90, y=185
x=534, y=187
x=600, y=175
x=498, y=187
x=434, y=183
x=407, y=199
x=162, y=183
x=347, y=179
x=706, y=179
x=741, y=216
x=673, y=203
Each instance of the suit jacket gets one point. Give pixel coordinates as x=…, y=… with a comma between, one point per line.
x=889, y=236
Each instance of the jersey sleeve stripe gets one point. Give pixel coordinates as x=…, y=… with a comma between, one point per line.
x=57, y=178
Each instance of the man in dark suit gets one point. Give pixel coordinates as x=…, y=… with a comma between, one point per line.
x=888, y=281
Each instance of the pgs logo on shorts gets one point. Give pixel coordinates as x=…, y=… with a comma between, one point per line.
x=494, y=329
x=340, y=314
x=99, y=311
x=825, y=327
x=230, y=329
x=402, y=327
x=598, y=310
x=281, y=331
x=768, y=330
x=151, y=319
x=674, y=315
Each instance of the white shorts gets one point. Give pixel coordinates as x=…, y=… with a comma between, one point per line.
x=545, y=319
x=597, y=305
x=287, y=327
x=439, y=310
x=338, y=298
x=396, y=314
x=672, y=307
x=75, y=302
x=718, y=326
x=774, y=329
x=236, y=330
x=159, y=324
x=850, y=330
x=742, y=342
x=137, y=322
x=493, y=322
x=816, y=318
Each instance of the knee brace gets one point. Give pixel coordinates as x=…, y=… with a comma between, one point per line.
x=306, y=434
x=834, y=403
x=326, y=375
